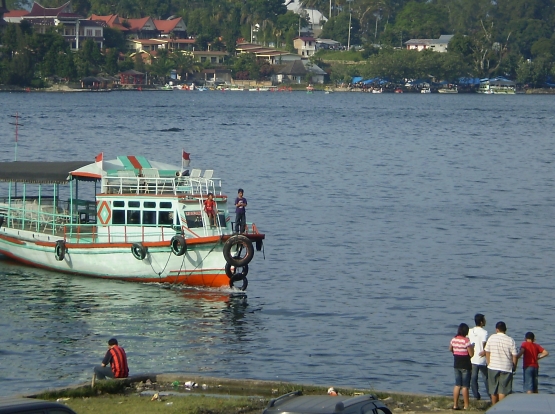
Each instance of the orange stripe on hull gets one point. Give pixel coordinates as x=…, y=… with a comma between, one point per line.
x=11, y=239
x=205, y=279
x=214, y=280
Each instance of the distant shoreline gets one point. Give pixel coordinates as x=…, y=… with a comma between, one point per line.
x=67, y=89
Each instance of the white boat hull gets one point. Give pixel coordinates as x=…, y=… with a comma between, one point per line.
x=202, y=264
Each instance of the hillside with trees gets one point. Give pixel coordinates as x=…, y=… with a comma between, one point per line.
x=513, y=38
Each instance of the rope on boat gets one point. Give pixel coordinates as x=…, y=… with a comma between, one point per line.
x=196, y=267
x=164, y=268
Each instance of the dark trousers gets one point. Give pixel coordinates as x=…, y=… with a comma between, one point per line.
x=240, y=222
x=103, y=372
x=474, y=379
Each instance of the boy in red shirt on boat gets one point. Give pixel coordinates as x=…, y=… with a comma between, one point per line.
x=210, y=209
x=532, y=353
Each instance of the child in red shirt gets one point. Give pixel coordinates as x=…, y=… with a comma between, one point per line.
x=210, y=209
x=532, y=353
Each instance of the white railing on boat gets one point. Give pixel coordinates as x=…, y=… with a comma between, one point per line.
x=91, y=233
x=162, y=185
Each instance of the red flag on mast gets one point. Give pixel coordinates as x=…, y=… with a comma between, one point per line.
x=185, y=160
x=99, y=157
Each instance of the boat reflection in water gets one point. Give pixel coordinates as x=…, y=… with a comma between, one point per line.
x=65, y=320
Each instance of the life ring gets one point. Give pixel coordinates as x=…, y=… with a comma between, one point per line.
x=178, y=245
x=233, y=274
x=244, y=251
x=243, y=287
x=60, y=250
x=259, y=244
x=139, y=251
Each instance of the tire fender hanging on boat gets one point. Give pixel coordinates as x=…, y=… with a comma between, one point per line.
x=178, y=245
x=60, y=250
x=139, y=251
x=243, y=287
x=243, y=253
x=234, y=274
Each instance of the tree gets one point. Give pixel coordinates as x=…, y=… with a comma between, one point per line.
x=114, y=38
x=337, y=28
x=111, y=62
x=139, y=63
x=246, y=67
x=421, y=20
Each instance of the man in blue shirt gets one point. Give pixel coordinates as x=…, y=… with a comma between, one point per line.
x=240, y=204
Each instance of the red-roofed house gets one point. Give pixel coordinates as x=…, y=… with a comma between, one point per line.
x=175, y=28
x=75, y=29
x=112, y=20
x=306, y=46
x=142, y=28
x=15, y=16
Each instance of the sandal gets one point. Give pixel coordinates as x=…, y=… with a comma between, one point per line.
x=455, y=408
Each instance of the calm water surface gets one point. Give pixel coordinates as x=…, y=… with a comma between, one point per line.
x=390, y=219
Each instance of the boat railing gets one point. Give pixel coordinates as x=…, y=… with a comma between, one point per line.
x=91, y=233
x=181, y=185
x=41, y=218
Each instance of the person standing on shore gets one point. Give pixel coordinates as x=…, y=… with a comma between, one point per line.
x=501, y=359
x=530, y=367
x=462, y=351
x=240, y=219
x=117, y=359
x=478, y=336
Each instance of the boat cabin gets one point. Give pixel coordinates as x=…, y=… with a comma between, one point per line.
x=128, y=198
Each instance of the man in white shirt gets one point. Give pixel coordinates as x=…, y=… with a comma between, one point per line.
x=501, y=357
x=478, y=336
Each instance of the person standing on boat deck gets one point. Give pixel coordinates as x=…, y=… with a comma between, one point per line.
x=240, y=204
x=478, y=336
x=501, y=359
x=210, y=209
x=117, y=359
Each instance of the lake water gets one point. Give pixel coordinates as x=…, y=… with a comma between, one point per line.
x=390, y=219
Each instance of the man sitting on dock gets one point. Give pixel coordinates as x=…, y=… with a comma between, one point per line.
x=116, y=357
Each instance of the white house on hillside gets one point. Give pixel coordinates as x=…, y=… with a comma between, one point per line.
x=437, y=45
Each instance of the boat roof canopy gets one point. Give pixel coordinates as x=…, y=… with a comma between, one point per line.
x=41, y=172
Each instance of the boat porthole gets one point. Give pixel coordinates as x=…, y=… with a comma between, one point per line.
x=60, y=250
x=139, y=251
x=178, y=245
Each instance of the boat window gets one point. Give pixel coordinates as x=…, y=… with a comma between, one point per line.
x=149, y=204
x=133, y=216
x=165, y=204
x=119, y=204
x=194, y=219
x=118, y=216
x=149, y=218
x=134, y=204
x=165, y=218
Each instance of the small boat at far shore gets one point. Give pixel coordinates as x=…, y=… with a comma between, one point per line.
x=448, y=90
x=128, y=219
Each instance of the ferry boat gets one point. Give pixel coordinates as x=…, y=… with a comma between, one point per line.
x=497, y=86
x=128, y=219
x=448, y=90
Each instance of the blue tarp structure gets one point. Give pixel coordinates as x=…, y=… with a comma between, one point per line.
x=357, y=79
x=378, y=81
x=469, y=81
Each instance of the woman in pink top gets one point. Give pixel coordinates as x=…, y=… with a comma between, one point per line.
x=462, y=351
